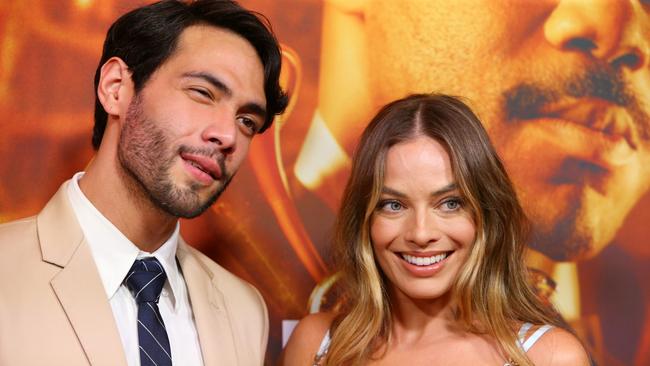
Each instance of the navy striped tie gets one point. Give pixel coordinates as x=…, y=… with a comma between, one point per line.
x=145, y=281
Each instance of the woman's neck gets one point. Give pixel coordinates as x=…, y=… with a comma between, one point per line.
x=415, y=319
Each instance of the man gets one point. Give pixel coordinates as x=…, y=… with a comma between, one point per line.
x=561, y=86
x=100, y=276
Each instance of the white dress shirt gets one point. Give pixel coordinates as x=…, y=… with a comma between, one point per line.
x=114, y=255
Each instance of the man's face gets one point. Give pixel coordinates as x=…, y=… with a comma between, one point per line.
x=188, y=130
x=562, y=87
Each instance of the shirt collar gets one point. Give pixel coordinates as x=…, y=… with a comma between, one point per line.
x=166, y=255
x=112, y=251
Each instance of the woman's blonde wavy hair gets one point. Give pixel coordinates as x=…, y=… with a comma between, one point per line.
x=491, y=293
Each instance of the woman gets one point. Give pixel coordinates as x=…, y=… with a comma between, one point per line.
x=430, y=241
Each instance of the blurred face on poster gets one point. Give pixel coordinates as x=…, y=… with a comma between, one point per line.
x=563, y=88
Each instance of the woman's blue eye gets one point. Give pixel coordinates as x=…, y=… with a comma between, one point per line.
x=452, y=204
x=394, y=206
x=391, y=206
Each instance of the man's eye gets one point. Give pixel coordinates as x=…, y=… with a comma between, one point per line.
x=249, y=124
x=202, y=92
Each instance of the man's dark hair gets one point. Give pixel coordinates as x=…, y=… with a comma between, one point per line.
x=146, y=37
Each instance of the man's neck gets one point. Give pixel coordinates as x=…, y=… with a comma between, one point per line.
x=565, y=291
x=126, y=205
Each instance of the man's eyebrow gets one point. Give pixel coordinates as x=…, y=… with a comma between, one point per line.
x=253, y=108
x=210, y=79
x=446, y=189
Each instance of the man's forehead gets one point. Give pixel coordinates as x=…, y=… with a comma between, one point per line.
x=219, y=52
x=203, y=36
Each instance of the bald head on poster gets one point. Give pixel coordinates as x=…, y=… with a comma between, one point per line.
x=562, y=88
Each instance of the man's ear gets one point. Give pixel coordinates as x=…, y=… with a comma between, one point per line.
x=115, y=88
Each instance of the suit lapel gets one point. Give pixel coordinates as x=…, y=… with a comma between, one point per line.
x=83, y=299
x=78, y=285
x=208, y=307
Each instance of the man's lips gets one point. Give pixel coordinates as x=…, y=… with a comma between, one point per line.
x=203, y=163
x=587, y=130
x=612, y=121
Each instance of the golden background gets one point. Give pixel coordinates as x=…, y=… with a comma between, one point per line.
x=264, y=228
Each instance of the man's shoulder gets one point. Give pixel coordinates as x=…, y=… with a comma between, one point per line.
x=19, y=226
x=243, y=305
x=14, y=234
x=20, y=251
x=55, y=215
x=227, y=282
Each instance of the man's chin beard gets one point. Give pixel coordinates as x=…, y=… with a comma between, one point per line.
x=181, y=202
x=566, y=242
x=167, y=197
x=174, y=208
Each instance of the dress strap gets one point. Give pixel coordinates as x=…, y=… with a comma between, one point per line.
x=526, y=344
x=522, y=332
x=322, y=349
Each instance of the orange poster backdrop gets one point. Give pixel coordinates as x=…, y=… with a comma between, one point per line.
x=562, y=87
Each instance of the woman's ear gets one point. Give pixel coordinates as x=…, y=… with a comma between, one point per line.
x=115, y=88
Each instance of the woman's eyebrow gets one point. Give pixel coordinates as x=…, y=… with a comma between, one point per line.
x=446, y=189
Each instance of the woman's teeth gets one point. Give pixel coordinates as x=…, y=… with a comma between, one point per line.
x=424, y=261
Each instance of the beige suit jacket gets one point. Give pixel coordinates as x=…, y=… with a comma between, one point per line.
x=54, y=310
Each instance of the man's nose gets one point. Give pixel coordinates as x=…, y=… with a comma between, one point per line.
x=222, y=131
x=423, y=228
x=614, y=31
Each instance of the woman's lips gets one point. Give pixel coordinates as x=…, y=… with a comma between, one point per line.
x=424, y=264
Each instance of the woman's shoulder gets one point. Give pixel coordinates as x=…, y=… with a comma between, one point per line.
x=557, y=347
x=306, y=339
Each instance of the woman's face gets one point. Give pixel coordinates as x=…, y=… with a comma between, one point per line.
x=421, y=230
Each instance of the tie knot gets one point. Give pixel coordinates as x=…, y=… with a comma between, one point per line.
x=145, y=280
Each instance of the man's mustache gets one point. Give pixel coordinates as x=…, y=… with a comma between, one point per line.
x=526, y=100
